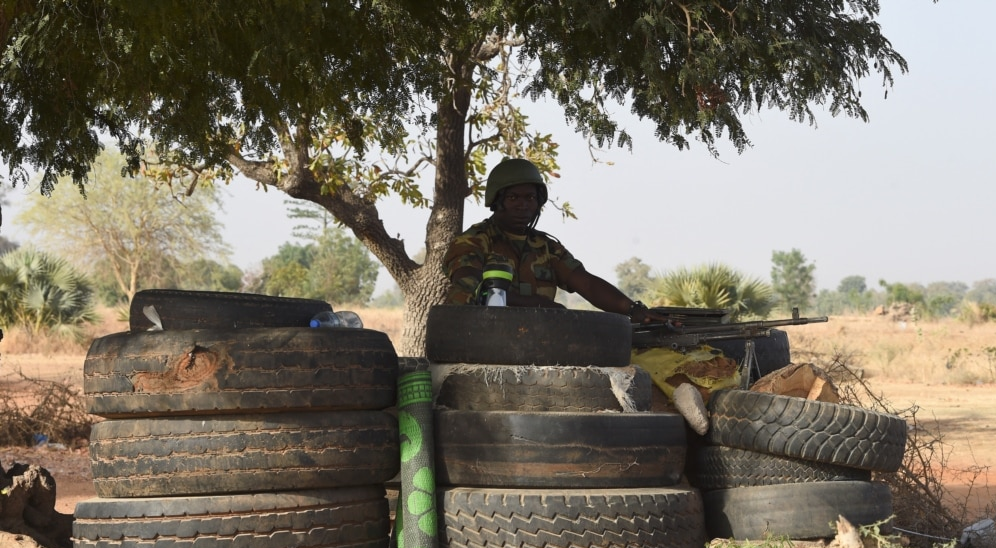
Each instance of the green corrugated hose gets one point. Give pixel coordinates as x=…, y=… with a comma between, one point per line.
x=416, y=518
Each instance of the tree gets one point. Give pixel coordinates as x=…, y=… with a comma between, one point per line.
x=304, y=96
x=902, y=293
x=634, y=277
x=854, y=292
x=342, y=270
x=942, y=298
x=138, y=232
x=792, y=279
x=210, y=275
x=852, y=285
x=983, y=292
x=713, y=286
x=335, y=268
x=42, y=292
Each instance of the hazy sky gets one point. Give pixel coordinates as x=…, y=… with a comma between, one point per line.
x=907, y=197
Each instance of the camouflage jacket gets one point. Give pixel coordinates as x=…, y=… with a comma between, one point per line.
x=540, y=263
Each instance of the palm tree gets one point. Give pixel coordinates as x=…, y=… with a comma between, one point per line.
x=41, y=292
x=713, y=285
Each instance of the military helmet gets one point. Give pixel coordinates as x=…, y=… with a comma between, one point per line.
x=511, y=172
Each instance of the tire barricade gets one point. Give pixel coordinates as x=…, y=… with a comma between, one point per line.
x=560, y=450
x=276, y=435
x=788, y=466
x=272, y=436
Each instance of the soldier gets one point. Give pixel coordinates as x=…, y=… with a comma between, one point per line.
x=540, y=265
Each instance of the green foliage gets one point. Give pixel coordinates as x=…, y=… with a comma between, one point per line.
x=902, y=293
x=713, y=286
x=983, y=291
x=316, y=219
x=987, y=312
x=208, y=275
x=852, y=296
x=943, y=299
x=792, y=280
x=852, y=285
x=342, y=270
x=129, y=230
x=41, y=292
x=975, y=313
x=336, y=268
x=829, y=303
x=154, y=63
x=342, y=103
x=634, y=278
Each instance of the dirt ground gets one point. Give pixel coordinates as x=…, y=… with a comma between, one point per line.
x=963, y=415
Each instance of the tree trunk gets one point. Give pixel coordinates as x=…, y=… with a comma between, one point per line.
x=422, y=285
x=429, y=285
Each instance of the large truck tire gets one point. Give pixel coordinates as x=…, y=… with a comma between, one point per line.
x=508, y=335
x=231, y=371
x=159, y=457
x=478, y=387
x=717, y=467
x=355, y=517
x=662, y=517
x=798, y=511
x=795, y=427
x=182, y=309
x=559, y=450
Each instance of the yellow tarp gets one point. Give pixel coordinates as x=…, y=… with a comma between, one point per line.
x=705, y=367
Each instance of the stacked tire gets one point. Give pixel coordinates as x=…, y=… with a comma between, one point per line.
x=787, y=466
x=543, y=434
x=271, y=436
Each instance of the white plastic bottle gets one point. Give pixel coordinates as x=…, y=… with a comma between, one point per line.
x=326, y=319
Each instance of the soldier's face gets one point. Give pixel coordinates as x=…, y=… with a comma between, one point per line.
x=519, y=208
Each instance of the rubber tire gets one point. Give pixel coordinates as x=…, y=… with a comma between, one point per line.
x=475, y=387
x=160, y=457
x=717, y=467
x=807, y=429
x=509, y=449
x=650, y=517
x=128, y=375
x=772, y=352
x=527, y=336
x=181, y=309
x=799, y=511
x=354, y=517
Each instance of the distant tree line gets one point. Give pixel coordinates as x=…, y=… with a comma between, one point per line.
x=793, y=284
x=136, y=233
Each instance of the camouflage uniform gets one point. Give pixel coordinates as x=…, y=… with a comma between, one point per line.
x=540, y=263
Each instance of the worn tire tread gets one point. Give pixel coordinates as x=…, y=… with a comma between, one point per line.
x=647, y=517
x=158, y=457
x=355, y=517
x=807, y=429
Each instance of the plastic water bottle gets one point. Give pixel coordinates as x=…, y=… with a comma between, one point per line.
x=496, y=280
x=348, y=318
x=344, y=318
x=326, y=319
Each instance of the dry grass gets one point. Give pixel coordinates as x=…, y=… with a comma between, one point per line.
x=387, y=320
x=947, y=351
